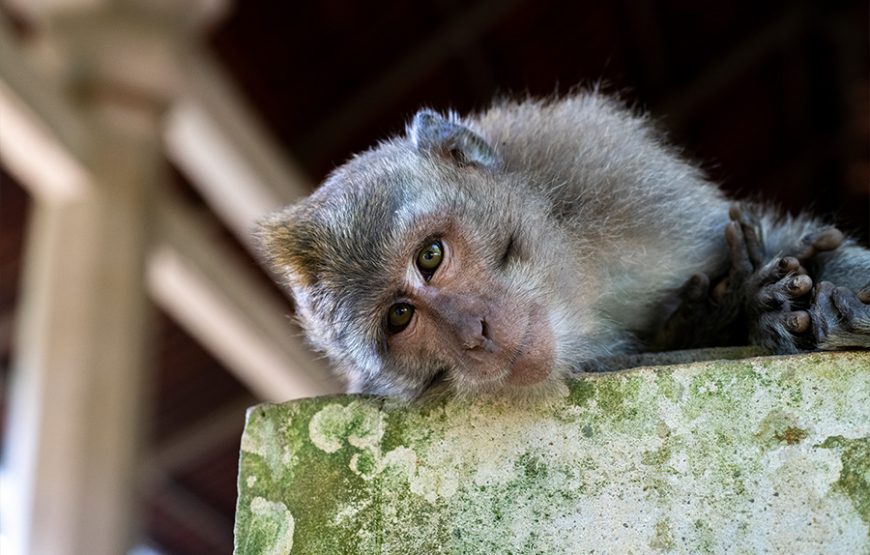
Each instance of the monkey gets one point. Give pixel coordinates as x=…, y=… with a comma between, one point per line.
x=506, y=251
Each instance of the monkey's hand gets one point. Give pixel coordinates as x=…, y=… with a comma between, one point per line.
x=777, y=296
x=840, y=317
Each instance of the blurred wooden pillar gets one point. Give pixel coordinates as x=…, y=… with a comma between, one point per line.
x=77, y=377
x=82, y=128
x=77, y=390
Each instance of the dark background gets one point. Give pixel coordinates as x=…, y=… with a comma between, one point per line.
x=770, y=97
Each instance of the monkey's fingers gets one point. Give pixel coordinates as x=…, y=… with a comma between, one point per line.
x=781, y=293
x=820, y=241
x=751, y=231
x=773, y=296
x=741, y=264
x=823, y=312
x=856, y=314
x=779, y=331
x=864, y=294
x=696, y=288
x=839, y=317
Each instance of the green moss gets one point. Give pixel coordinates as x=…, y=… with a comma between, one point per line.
x=396, y=426
x=364, y=464
x=854, y=480
x=581, y=391
x=616, y=396
x=705, y=536
x=656, y=457
x=663, y=539
x=532, y=467
x=349, y=429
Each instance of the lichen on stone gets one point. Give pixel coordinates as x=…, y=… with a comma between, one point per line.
x=358, y=424
x=271, y=527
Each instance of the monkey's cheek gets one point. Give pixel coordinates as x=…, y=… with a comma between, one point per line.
x=535, y=363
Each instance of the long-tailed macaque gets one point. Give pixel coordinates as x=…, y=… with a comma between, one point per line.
x=504, y=251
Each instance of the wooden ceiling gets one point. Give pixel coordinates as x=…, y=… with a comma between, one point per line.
x=771, y=97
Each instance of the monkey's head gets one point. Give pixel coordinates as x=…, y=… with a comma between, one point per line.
x=425, y=260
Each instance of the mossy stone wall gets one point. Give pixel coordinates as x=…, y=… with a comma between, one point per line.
x=768, y=454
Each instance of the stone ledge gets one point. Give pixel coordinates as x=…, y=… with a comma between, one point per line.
x=767, y=454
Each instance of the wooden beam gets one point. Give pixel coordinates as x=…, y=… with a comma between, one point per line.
x=202, y=13
x=36, y=11
x=219, y=301
x=43, y=141
x=220, y=145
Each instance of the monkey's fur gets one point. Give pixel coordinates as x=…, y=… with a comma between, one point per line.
x=571, y=233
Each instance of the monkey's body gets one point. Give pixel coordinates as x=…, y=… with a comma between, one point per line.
x=568, y=230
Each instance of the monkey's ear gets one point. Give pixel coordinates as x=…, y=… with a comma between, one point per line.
x=430, y=132
x=286, y=248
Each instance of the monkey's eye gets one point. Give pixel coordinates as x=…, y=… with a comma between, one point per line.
x=429, y=258
x=399, y=317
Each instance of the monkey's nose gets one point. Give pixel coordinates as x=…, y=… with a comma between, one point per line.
x=474, y=333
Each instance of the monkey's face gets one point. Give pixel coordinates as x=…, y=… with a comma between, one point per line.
x=410, y=267
x=456, y=310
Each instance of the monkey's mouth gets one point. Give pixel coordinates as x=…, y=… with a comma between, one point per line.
x=527, y=361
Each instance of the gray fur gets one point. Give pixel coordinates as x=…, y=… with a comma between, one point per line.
x=609, y=222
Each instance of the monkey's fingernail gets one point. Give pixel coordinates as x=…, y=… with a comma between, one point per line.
x=800, y=284
x=797, y=322
x=864, y=295
x=720, y=290
x=696, y=288
x=788, y=264
x=734, y=211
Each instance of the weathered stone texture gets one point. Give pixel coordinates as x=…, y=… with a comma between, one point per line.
x=759, y=455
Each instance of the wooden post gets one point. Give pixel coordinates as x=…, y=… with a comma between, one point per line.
x=77, y=387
